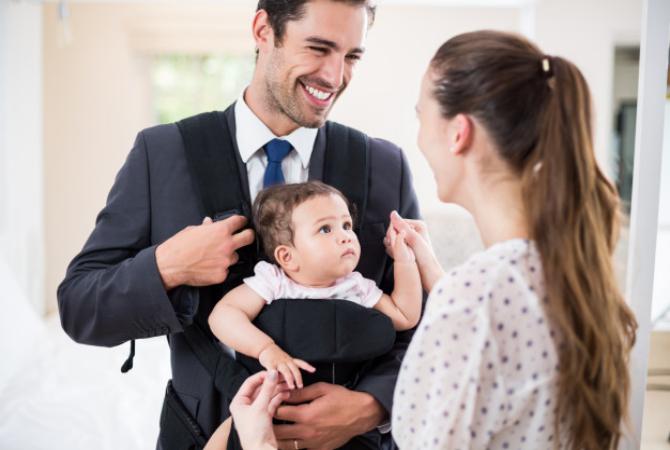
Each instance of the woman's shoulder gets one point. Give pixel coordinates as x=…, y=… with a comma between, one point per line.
x=506, y=270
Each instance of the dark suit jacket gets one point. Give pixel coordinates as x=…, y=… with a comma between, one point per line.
x=112, y=291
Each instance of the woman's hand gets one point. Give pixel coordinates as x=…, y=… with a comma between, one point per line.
x=272, y=357
x=415, y=234
x=253, y=407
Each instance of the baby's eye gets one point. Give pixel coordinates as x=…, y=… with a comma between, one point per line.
x=347, y=225
x=324, y=229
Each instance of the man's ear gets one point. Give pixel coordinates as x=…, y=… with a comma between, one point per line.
x=262, y=30
x=286, y=259
x=461, y=132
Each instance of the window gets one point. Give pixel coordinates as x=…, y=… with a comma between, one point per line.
x=184, y=85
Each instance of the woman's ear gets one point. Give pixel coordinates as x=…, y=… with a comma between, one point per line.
x=285, y=257
x=262, y=30
x=461, y=134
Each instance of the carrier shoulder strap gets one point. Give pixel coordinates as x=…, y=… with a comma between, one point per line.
x=211, y=159
x=346, y=165
x=210, y=154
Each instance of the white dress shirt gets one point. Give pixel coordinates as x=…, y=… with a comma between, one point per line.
x=252, y=134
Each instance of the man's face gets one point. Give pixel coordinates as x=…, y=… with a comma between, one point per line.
x=311, y=66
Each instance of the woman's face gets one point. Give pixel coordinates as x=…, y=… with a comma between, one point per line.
x=436, y=140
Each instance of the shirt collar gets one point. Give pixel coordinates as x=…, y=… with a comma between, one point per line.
x=252, y=134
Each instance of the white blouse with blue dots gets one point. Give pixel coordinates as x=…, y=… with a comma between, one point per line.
x=481, y=370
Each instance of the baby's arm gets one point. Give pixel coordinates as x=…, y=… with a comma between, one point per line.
x=403, y=306
x=230, y=322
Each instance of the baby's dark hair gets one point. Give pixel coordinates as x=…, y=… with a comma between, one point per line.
x=273, y=210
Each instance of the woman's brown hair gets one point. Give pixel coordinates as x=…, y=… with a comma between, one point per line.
x=537, y=109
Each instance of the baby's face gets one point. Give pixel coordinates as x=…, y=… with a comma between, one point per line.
x=324, y=240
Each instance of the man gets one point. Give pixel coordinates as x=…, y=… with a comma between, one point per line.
x=143, y=270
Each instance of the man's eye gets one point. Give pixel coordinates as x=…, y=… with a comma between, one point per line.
x=324, y=229
x=319, y=49
x=354, y=57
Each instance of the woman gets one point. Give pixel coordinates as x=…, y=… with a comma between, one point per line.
x=526, y=344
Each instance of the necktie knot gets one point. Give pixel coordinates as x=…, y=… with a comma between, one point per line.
x=276, y=149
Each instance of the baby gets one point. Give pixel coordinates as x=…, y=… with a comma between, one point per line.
x=307, y=234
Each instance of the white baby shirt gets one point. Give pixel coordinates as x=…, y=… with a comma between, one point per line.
x=272, y=283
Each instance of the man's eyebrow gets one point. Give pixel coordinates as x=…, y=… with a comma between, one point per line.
x=330, y=44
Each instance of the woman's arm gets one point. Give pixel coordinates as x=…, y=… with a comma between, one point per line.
x=403, y=306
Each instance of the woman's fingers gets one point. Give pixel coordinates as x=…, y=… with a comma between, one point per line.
x=265, y=395
x=276, y=401
x=247, y=391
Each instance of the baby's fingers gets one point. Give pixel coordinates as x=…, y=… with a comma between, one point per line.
x=304, y=365
x=297, y=376
x=287, y=374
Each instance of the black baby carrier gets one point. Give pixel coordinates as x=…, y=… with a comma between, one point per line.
x=338, y=337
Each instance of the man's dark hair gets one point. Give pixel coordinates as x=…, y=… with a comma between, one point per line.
x=282, y=11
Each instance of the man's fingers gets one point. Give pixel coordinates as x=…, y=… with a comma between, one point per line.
x=306, y=394
x=292, y=431
x=243, y=238
x=233, y=223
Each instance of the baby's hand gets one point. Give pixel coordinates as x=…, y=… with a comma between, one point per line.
x=401, y=251
x=274, y=358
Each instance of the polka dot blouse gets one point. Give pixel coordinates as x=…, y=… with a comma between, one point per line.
x=481, y=370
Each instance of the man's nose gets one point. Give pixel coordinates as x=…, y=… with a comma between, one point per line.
x=332, y=70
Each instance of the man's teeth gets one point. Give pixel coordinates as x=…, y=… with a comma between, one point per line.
x=317, y=93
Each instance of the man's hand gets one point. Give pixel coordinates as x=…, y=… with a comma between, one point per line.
x=326, y=416
x=200, y=255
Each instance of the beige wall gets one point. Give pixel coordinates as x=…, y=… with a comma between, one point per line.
x=96, y=99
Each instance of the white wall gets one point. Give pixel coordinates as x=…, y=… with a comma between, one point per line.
x=661, y=301
x=586, y=32
x=21, y=207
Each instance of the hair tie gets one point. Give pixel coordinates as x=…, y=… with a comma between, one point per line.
x=547, y=69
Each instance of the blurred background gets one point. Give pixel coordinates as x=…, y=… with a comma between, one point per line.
x=79, y=79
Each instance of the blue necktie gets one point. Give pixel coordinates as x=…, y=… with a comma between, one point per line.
x=276, y=149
